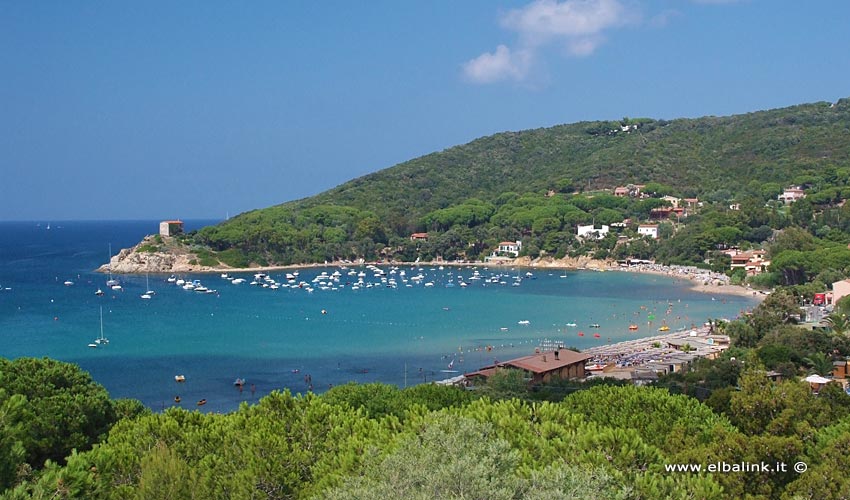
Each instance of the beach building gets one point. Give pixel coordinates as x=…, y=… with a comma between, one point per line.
x=170, y=227
x=542, y=367
x=510, y=247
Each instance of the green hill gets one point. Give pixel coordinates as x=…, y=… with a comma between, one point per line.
x=494, y=187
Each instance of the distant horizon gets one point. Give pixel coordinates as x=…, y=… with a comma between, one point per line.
x=171, y=108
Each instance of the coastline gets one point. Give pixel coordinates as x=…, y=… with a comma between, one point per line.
x=130, y=261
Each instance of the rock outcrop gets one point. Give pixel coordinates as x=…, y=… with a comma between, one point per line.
x=154, y=254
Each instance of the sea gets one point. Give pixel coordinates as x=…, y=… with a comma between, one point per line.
x=403, y=324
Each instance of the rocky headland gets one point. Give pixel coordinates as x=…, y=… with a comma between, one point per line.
x=154, y=254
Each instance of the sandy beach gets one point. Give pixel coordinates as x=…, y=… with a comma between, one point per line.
x=131, y=261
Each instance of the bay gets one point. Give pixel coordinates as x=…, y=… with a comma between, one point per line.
x=275, y=339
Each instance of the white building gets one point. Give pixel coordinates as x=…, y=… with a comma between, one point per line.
x=650, y=230
x=511, y=247
x=589, y=231
x=170, y=227
x=791, y=194
x=672, y=200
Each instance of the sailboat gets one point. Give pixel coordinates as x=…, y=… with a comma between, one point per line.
x=112, y=283
x=149, y=292
x=450, y=368
x=100, y=340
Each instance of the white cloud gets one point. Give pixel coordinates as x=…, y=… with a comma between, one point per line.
x=576, y=24
x=503, y=64
x=543, y=20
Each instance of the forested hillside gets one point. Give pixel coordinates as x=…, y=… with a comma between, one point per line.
x=537, y=185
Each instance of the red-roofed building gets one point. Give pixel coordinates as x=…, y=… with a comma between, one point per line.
x=542, y=367
x=418, y=236
x=753, y=262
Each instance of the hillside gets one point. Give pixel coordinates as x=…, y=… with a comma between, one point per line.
x=692, y=155
x=494, y=188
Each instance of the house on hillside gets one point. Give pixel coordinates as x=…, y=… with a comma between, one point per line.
x=752, y=262
x=633, y=190
x=690, y=205
x=840, y=289
x=509, y=247
x=418, y=236
x=650, y=230
x=589, y=231
x=791, y=194
x=672, y=200
x=170, y=227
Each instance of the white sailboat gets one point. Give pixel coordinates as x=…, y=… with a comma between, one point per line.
x=111, y=282
x=149, y=293
x=100, y=340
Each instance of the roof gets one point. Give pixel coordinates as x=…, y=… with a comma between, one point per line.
x=648, y=226
x=536, y=364
x=172, y=222
x=504, y=243
x=484, y=372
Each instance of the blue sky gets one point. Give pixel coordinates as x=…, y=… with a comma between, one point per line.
x=147, y=110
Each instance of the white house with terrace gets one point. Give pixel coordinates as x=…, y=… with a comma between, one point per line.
x=589, y=231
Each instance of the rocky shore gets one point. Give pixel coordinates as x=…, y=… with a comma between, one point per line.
x=154, y=255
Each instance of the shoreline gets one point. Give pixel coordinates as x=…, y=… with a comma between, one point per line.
x=700, y=280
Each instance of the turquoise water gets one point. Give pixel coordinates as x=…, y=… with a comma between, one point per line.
x=275, y=338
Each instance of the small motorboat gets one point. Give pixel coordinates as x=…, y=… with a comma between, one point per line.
x=202, y=402
x=177, y=400
x=179, y=378
x=99, y=292
x=239, y=382
x=594, y=325
x=633, y=327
